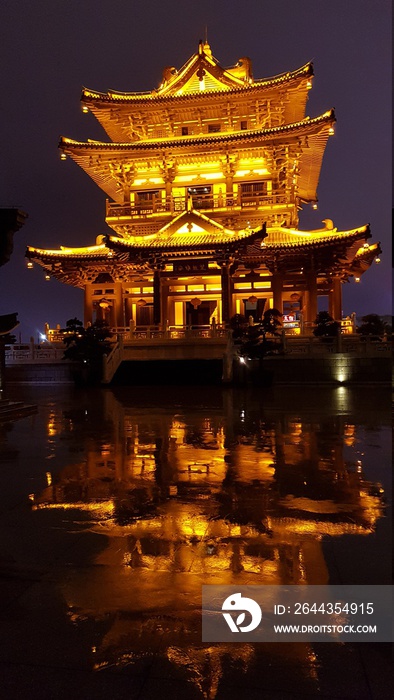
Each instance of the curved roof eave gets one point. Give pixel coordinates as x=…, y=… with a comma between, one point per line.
x=248, y=135
x=117, y=97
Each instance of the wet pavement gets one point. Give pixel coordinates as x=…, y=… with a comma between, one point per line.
x=117, y=505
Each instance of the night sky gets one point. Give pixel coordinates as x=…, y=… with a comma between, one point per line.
x=51, y=48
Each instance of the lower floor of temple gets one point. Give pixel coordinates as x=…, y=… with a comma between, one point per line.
x=212, y=299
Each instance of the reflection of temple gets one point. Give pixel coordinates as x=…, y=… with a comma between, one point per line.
x=206, y=175
x=232, y=493
x=221, y=494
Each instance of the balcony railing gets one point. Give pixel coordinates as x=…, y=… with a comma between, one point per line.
x=174, y=205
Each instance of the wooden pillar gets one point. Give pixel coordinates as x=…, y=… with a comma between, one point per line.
x=164, y=302
x=128, y=310
x=156, y=298
x=88, y=306
x=119, y=308
x=226, y=293
x=277, y=290
x=335, y=299
x=311, y=296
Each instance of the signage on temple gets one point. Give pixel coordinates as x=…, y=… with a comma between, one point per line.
x=191, y=266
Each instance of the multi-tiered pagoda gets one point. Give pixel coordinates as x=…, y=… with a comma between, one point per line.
x=205, y=177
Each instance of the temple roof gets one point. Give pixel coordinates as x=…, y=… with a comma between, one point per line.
x=201, y=68
x=282, y=238
x=99, y=159
x=333, y=251
x=189, y=230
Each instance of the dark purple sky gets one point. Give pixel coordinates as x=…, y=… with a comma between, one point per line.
x=52, y=48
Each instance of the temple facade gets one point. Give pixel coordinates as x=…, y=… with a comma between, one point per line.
x=205, y=178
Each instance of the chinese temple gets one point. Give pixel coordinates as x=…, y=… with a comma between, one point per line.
x=205, y=177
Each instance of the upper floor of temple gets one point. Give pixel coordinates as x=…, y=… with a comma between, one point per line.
x=241, y=149
x=200, y=98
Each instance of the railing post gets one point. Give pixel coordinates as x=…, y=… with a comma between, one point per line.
x=284, y=343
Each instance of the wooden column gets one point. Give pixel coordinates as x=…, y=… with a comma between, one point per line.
x=277, y=290
x=156, y=298
x=335, y=299
x=164, y=302
x=226, y=293
x=88, y=306
x=311, y=296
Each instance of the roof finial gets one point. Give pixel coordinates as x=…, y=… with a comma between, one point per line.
x=206, y=46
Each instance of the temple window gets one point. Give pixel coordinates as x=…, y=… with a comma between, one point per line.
x=109, y=291
x=147, y=199
x=213, y=128
x=201, y=196
x=253, y=189
x=244, y=125
x=185, y=130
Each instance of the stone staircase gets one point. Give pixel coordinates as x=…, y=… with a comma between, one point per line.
x=13, y=410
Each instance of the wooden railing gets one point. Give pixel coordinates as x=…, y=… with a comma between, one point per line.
x=30, y=353
x=157, y=205
x=171, y=332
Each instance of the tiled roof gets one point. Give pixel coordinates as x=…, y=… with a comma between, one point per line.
x=72, y=146
x=155, y=96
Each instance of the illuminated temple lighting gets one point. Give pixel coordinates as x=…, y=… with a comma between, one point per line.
x=192, y=189
x=357, y=279
x=47, y=277
x=377, y=260
x=29, y=264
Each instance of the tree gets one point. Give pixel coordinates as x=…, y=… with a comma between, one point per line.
x=257, y=340
x=326, y=327
x=87, y=345
x=373, y=325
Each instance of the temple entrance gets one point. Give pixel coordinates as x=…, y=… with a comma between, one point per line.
x=144, y=315
x=254, y=309
x=199, y=316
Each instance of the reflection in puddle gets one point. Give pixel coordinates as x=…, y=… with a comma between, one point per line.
x=237, y=492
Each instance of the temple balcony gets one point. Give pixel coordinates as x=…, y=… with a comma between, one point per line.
x=211, y=203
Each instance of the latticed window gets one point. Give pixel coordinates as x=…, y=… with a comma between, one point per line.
x=213, y=128
x=147, y=195
x=253, y=189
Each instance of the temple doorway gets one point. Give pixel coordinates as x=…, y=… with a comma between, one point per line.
x=200, y=315
x=144, y=315
x=254, y=308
